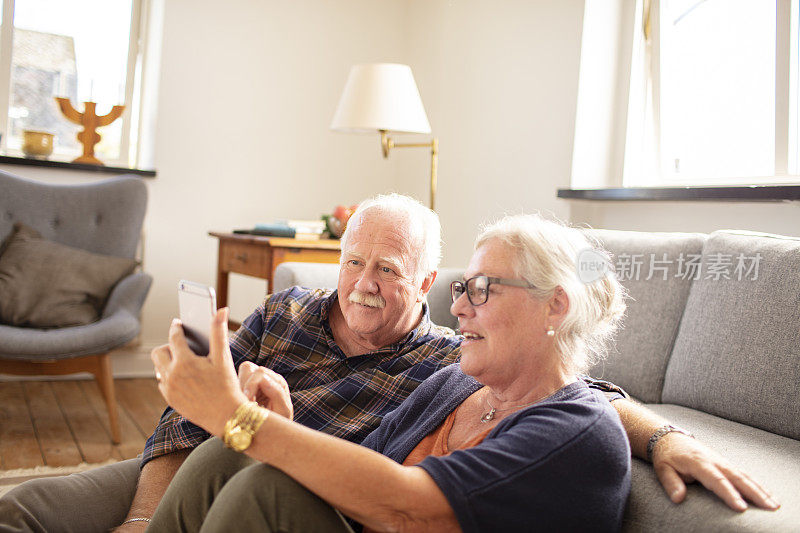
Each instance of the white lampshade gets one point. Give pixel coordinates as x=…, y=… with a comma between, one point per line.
x=380, y=96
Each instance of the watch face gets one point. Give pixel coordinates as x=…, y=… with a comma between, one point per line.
x=240, y=440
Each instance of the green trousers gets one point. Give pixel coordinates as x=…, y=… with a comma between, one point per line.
x=217, y=489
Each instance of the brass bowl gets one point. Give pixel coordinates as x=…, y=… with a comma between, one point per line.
x=37, y=143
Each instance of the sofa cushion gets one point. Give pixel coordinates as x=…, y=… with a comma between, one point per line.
x=439, y=298
x=643, y=346
x=308, y=275
x=47, y=284
x=772, y=460
x=737, y=354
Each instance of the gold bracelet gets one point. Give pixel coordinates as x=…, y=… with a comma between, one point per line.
x=242, y=426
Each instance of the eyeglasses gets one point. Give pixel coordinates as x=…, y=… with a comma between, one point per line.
x=477, y=288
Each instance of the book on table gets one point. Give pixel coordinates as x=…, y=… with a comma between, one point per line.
x=300, y=226
x=307, y=226
x=297, y=229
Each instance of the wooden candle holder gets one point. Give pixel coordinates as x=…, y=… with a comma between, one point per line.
x=90, y=122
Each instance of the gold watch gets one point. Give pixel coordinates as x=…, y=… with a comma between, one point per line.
x=242, y=426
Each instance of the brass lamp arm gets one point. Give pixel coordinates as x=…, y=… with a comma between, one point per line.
x=387, y=143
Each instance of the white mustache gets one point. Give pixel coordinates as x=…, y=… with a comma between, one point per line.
x=370, y=300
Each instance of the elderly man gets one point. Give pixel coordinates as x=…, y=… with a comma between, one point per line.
x=350, y=356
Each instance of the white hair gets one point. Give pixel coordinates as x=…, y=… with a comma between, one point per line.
x=420, y=221
x=546, y=256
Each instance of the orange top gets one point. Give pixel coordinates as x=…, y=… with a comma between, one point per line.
x=435, y=443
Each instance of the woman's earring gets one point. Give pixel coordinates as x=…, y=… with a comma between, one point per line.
x=550, y=331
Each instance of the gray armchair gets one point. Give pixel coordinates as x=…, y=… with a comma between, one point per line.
x=105, y=218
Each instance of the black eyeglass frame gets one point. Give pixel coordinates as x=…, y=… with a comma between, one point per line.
x=463, y=287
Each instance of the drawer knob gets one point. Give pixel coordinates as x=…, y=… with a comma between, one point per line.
x=241, y=257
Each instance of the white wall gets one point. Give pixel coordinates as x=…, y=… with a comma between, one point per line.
x=247, y=93
x=499, y=83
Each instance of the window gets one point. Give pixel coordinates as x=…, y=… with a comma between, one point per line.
x=86, y=50
x=713, y=93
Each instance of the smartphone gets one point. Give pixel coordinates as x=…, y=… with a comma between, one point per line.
x=197, y=304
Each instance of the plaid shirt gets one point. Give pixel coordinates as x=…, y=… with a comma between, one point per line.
x=342, y=396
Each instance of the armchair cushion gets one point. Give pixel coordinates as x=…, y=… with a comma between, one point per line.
x=46, y=284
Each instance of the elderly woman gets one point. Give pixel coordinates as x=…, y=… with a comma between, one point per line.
x=508, y=440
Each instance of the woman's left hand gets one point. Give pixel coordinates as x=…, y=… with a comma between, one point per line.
x=205, y=390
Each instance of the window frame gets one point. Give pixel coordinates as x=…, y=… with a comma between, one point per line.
x=643, y=169
x=129, y=139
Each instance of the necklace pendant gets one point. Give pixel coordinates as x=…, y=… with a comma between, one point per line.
x=488, y=417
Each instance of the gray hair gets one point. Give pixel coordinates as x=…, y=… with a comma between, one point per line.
x=420, y=220
x=546, y=256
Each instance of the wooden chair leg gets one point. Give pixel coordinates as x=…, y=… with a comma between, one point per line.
x=99, y=365
x=105, y=379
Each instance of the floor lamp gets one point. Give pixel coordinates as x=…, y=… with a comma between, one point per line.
x=383, y=98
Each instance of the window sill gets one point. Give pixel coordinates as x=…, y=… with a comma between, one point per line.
x=749, y=193
x=66, y=165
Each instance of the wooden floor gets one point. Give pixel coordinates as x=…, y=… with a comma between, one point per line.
x=61, y=423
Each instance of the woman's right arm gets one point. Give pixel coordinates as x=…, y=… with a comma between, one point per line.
x=361, y=483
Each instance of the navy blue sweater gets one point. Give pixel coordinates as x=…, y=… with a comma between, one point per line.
x=562, y=464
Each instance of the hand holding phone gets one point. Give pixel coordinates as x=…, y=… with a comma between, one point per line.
x=197, y=304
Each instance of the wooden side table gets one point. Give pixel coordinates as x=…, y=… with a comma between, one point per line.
x=254, y=255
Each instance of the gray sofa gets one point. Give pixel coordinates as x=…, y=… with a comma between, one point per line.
x=715, y=348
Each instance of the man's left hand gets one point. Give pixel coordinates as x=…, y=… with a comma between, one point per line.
x=205, y=390
x=679, y=459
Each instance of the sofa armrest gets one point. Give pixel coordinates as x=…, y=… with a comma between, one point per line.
x=128, y=294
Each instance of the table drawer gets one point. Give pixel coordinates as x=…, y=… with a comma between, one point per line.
x=311, y=256
x=244, y=259
x=303, y=255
